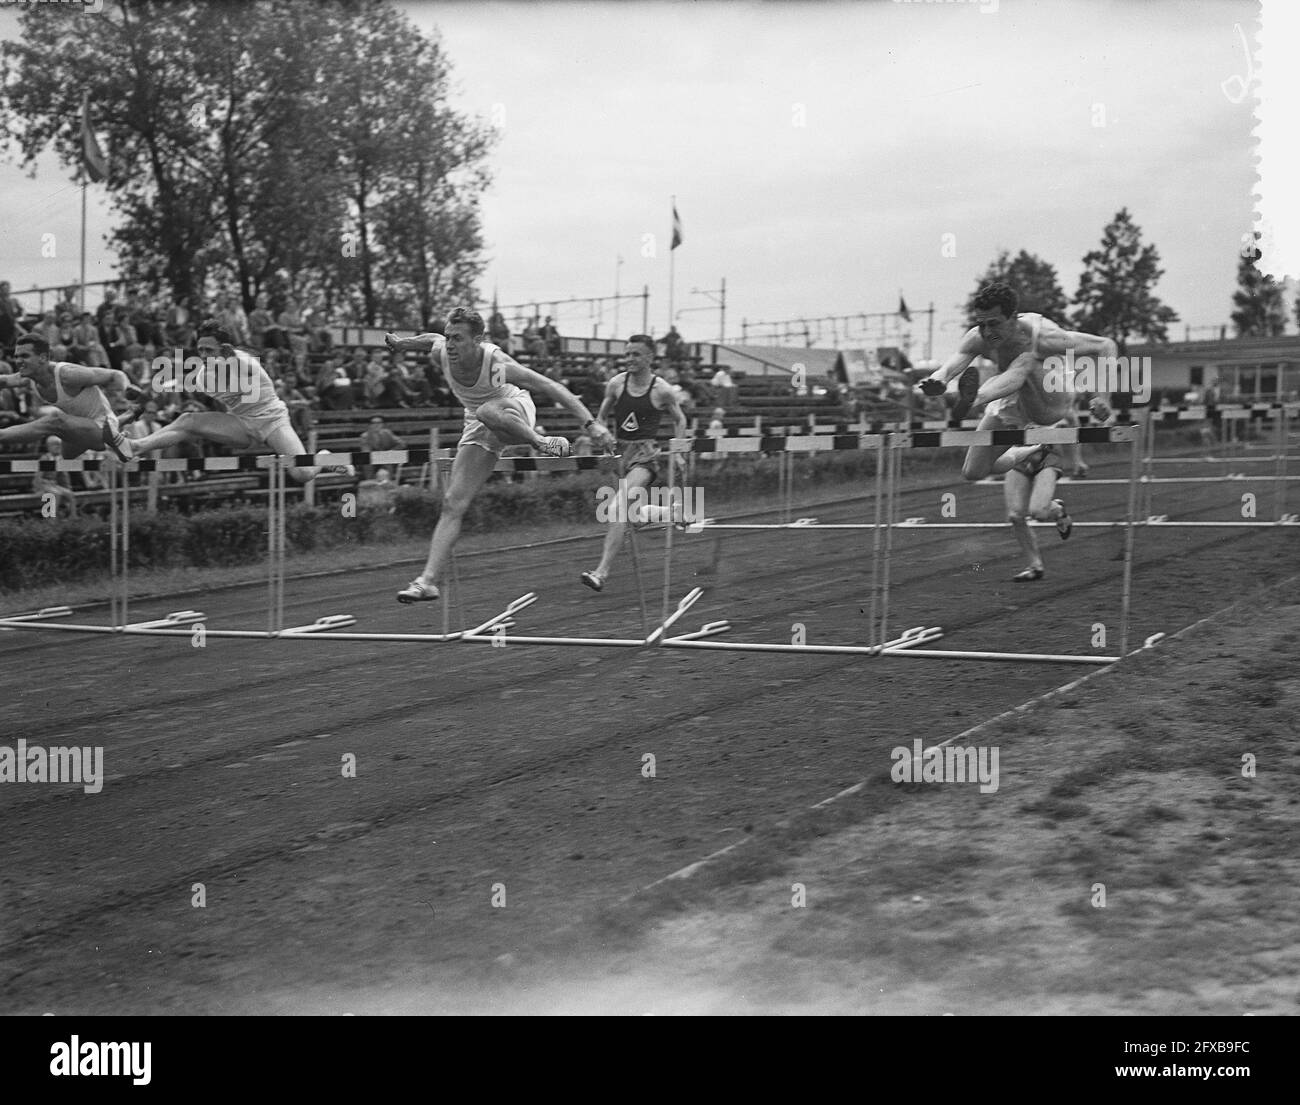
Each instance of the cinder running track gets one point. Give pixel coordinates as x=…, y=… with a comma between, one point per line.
x=519, y=766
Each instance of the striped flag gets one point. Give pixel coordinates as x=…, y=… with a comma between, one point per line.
x=902, y=308
x=92, y=157
x=677, y=229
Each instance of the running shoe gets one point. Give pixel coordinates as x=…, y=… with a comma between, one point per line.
x=594, y=581
x=1064, y=523
x=334, y=469
x=115, y=440
x=555, y=447
x=418, y=591
x=1029, y=575
x=968, y=386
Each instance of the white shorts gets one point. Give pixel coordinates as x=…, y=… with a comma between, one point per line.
x=261, y=426
x=476, y=433
x=1008, y=413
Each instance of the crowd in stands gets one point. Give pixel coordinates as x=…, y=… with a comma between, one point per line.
x=129, y=330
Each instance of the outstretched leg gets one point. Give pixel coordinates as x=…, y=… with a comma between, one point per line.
x=469, y=472
x=1016, y=491
x=620, y=510
x=77, y=434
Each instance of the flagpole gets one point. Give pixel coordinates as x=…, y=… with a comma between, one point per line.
x=83, y=242
x=618, y=264
x=672, y=264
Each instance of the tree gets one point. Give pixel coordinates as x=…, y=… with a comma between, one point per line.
x=1033, y=279
x=1260, y=311
x=242, y=158
x=1115, y=297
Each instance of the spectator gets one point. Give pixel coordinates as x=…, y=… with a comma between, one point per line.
x=379, y=491
x=319, y=338
x=292, y=326
x=49, y=329
x=10, y=411
x=554, y=344
x=179, y=329
x=378, y=438
x=534, y=344
x=356, y=365
x=97, y=355
x=373, y=383
x=397, y=388
x=230, y=314
x=300, y=417
x=674, y=347
x=271, y=363
x=717, y=428
x=499, y=332
x=334, y=386
x=259, y=322
x=106, y=314
x=84, y=335
x=724, y=387
x=11, y=315
x=66, y=309
x=58, y=484
x=123, y=336
x=137, y=367
x=147, y=329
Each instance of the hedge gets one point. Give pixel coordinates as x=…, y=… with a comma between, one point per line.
x=37, y=551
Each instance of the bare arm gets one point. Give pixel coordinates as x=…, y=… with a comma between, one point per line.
x=110, y=380
x=1005, y=383
x=11, y=379
x=954, y=366
x=421, y=343
x=517, y=374
x=607, y=403
x=670, y=404
x=1054, y=341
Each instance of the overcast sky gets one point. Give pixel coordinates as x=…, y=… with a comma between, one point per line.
x=819, y=152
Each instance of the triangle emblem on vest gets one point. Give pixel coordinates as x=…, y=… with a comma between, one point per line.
x=630, y=424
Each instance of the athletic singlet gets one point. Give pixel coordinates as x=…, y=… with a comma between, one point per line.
x=635, y=416
x=482, y=389
x=89, y=402
x=248, y=401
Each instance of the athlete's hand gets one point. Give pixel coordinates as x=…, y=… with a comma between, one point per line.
x=600, y=436
x=931, y=386
x=1099, y=408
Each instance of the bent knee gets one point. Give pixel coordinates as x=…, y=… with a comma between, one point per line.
x=454, y=508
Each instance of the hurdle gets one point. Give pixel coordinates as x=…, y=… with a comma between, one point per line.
x=889, y=445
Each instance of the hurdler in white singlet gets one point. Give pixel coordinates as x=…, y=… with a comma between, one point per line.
x=482, y=389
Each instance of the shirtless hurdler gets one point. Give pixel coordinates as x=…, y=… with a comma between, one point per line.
x=82, y=417
x=1020, y=395
x=498, y=413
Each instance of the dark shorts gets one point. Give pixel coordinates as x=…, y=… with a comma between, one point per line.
x=1035, y=464
x=644, y=453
